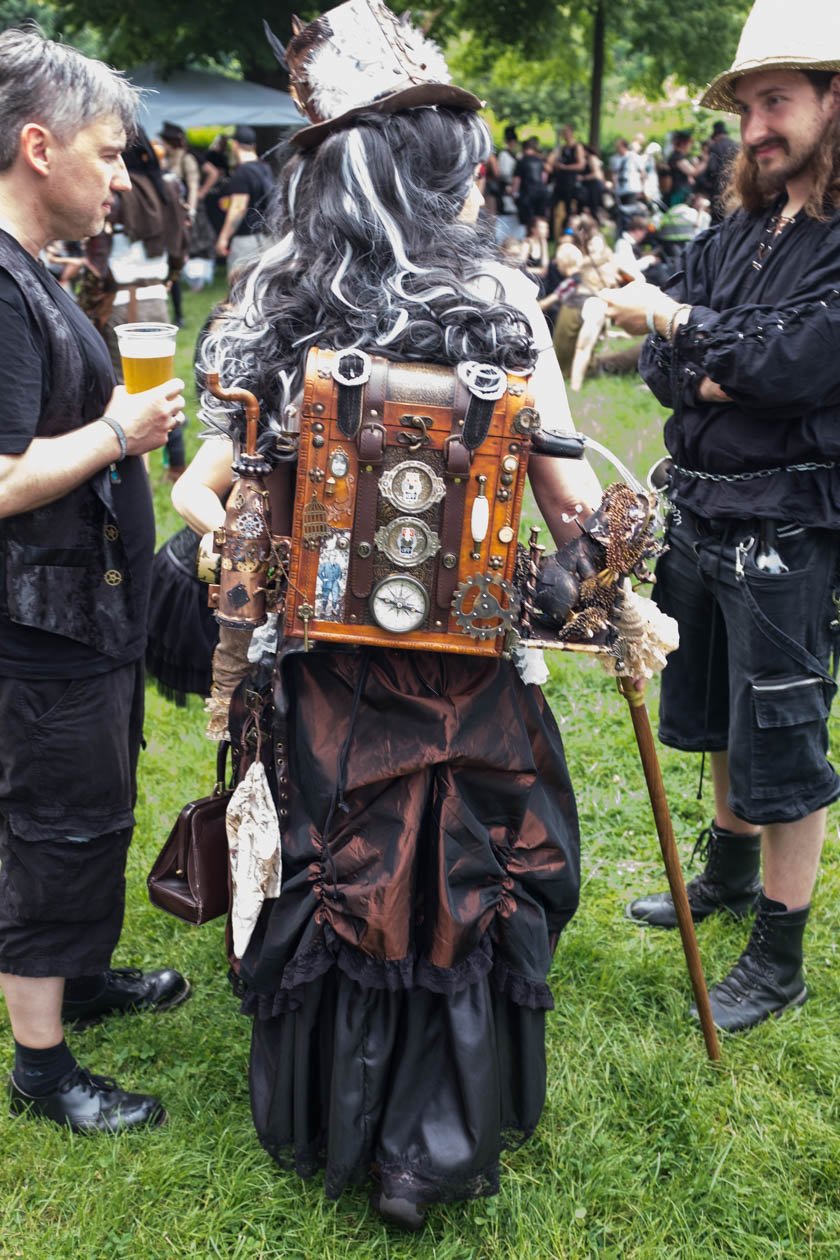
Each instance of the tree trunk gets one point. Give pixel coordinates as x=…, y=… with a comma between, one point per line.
x=596, y=86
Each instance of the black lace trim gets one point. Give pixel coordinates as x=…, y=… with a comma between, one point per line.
x=397, y=975
x=414, y=1180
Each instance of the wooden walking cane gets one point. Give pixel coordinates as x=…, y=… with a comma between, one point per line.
x=665, y=831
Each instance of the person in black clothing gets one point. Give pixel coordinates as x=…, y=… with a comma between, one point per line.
x=248, y=192
x=712, y=174
x=76, y=541
x=528, y=187
x=745, y=351
x=682, y=169
x=566, y=168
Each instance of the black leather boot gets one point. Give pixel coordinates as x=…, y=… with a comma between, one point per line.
x=767, y=978
x=729, y=881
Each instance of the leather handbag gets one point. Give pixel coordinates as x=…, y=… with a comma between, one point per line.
x=191, y=875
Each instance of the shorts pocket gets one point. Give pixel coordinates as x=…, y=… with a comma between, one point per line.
x=789, y=737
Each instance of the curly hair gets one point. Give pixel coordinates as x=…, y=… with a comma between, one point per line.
x=368, y=251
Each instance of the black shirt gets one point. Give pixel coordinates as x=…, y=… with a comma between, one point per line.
x=529, y=171
x=256, y=180
x=770, y=337
x=24, y=384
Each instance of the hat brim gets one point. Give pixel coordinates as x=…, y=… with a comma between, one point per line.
x=720, y=94
x=407, y=98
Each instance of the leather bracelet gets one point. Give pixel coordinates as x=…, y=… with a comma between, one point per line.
x=670, y=331
x=120, y=434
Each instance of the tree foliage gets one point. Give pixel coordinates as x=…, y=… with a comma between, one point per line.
x=543, y=49
x=189, y=33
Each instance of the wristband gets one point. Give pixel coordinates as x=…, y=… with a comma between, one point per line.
x=120, y=434
x=649, y=320
x=671, y=332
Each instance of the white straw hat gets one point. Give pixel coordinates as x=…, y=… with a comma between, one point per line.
x=779, y=35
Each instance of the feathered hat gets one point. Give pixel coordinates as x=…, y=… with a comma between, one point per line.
x=777, y=36
x=361, y=57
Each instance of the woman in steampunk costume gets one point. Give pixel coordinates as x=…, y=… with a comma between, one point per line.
x=429, y=833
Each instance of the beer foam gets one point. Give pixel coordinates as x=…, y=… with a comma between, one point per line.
x=146, y=347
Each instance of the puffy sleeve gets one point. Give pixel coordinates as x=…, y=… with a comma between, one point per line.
x=547, y=379
x=783, y=361
x=693, y=284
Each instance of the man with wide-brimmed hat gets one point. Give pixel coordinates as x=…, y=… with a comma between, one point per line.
x=744, y=347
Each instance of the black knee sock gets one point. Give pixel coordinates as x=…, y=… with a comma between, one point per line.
x=38, y=1072
x=80, y=988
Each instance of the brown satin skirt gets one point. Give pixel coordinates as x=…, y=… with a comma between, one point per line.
x=430, y=860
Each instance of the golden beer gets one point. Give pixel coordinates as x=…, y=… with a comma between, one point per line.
x=147, y=352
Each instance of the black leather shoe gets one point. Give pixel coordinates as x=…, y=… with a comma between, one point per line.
x=399, y=1212
x=728, y=883
x=89, y=1104
x=125, y=990
x=767, y=979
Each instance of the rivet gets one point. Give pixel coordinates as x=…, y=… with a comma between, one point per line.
x=318, y=441
x=449, y=560
x=317, y=427
x=318, y=409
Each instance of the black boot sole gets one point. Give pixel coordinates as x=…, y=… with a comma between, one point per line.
x=91, y=1021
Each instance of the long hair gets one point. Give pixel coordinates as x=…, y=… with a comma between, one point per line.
x=368, y=252
x=745, y=188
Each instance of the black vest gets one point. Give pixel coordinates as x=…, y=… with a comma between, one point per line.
x=66, y=569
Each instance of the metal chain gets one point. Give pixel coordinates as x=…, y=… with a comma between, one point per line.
x=749, y=476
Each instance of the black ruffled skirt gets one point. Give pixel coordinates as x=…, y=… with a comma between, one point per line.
x=183, y=631
x=430, y=860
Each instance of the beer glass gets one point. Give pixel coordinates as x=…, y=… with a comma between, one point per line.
x=148, y=354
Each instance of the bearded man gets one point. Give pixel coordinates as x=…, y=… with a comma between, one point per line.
x=745, y=347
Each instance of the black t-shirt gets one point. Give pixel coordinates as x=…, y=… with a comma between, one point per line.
x=256, y=180
x=529, y=170
x=24, y=386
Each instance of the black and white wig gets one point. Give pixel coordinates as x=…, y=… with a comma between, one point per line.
x=368, y=252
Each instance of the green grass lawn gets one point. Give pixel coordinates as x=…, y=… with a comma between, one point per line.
x=645, y=1151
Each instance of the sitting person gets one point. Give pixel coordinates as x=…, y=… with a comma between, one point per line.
x=580, y=320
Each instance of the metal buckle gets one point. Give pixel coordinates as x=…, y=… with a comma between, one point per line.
x=343, y=377
x=483, y=380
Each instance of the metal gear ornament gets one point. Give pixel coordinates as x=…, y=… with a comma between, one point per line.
x=485, y=606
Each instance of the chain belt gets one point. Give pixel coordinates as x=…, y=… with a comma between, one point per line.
x=749, y=476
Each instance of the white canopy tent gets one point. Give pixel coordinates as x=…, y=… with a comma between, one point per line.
x=199, y=98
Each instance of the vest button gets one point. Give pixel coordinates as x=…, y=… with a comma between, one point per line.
x=113, y=577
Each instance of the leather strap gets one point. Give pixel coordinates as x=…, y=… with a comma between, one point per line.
x=477, y=421
x=350, y=396
x=371, y=444
x=457, y=474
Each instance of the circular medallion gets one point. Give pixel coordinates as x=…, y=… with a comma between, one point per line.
x=399, y=603
x=412, y=486
x=407, y=541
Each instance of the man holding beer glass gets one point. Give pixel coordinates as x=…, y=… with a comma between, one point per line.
x=76, y=543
